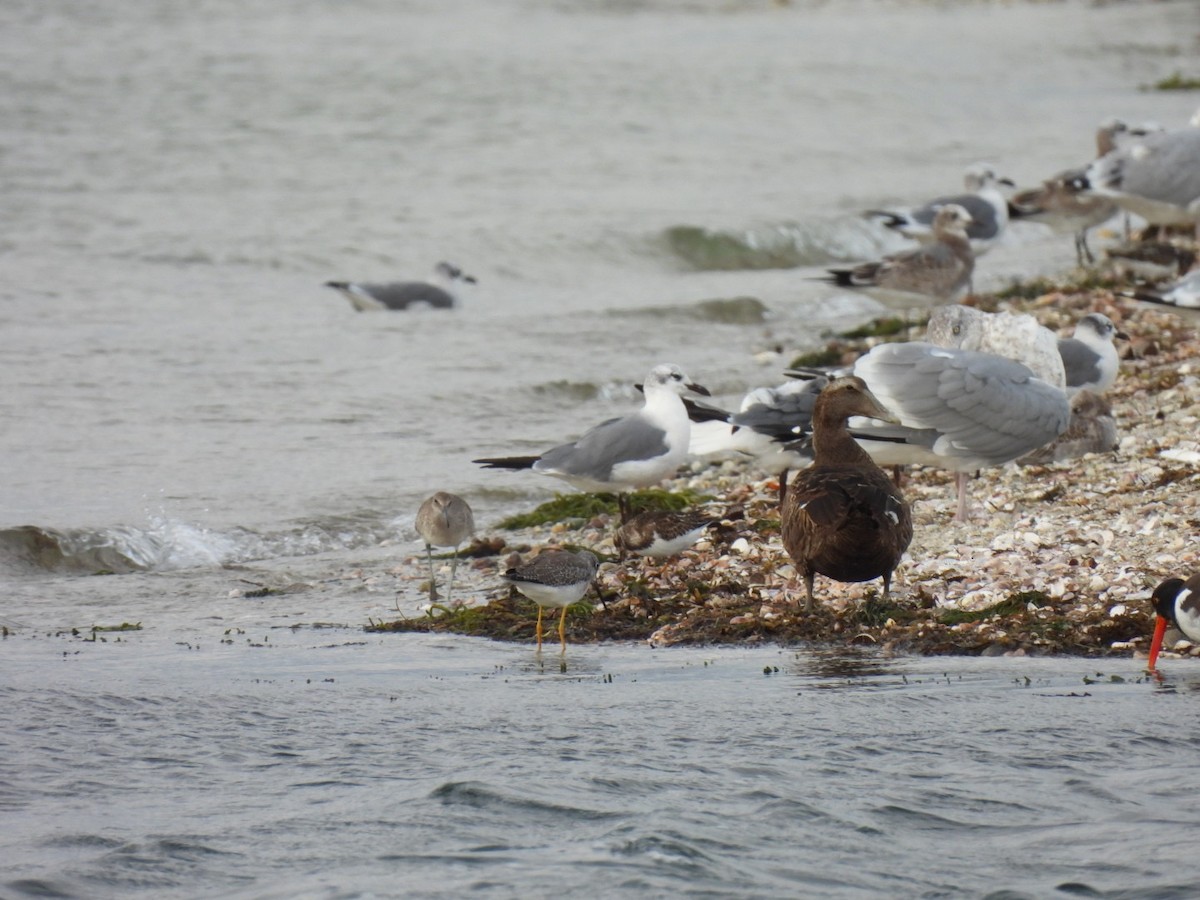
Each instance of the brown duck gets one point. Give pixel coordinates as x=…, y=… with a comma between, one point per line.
x=842, y=516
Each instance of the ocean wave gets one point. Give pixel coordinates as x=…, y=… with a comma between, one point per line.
x=785, y=245
x=168, y=544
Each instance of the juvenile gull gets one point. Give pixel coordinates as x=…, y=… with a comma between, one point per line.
x=619, y=455
x=555, y=579
x=941, y=269
x=843, y=517
x=444, y=520
x=1059, y=204
x=984, y=202
x=1176, y=602
x=1156, y=176
x=438, y=293
x=661, y=533
x=1093, y=429
x=1090, y=358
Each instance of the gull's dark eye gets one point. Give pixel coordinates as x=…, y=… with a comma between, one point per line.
x=957, y=329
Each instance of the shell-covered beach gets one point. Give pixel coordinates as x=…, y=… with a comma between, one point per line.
x=1057, y=558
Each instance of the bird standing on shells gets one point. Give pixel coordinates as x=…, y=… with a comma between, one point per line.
x=439, y=292
x=555, y=579
x=619, y=455
x=444, y=520
x=661, y=533
x=1176, y=602
x=843, y=517
x=1090, y=359
x=940, y=270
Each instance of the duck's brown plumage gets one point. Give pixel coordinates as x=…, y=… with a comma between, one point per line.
x=843, y=517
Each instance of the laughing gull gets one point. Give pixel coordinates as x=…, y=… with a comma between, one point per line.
x=1090, y=358
x=555, y=579
x=1182, y=297
x=843, y=517
x=941, y=269
x=771, y=426
x=984, y=202
x=1176, y=602
x=619, y=455
x=444, y=520
x=437, y=293
x=1156, y=176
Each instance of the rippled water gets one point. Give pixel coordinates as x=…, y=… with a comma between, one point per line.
x=320, y=763
x=186, y=406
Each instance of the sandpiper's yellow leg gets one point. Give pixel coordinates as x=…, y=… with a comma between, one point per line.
x=539, y=630
x=562, y=634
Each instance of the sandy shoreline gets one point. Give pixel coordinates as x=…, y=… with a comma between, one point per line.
x=1059, y=558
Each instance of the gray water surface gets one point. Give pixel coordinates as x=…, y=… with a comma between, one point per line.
x=185, y=406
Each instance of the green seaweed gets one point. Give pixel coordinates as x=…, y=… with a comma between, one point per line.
x=584, y=507
x=889, y=326
x=1011, y=605
x=124, y=626
x=1176, y=81
x=1033, y=288
x=829, y=355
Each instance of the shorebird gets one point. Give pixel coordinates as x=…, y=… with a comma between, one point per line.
x=555, y=579
x=984, y=203
x=444, y=520
x=1090, y=359
x=843, y=517
x=940, y=269
x=636, y=451
x=661, y=533
x=1176, y=602
x=438, y=293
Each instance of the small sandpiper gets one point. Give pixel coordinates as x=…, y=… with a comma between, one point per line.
x=661, y=533
x=444, y=520
x=555, y=579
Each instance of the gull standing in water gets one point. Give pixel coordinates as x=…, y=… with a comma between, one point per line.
x=555, y=579
x=444, y=520
x=619, y=455
x=940, y=269
x=440, y=292
x=984, y=202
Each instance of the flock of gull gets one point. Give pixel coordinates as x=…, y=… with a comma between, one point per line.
x=981, y=390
